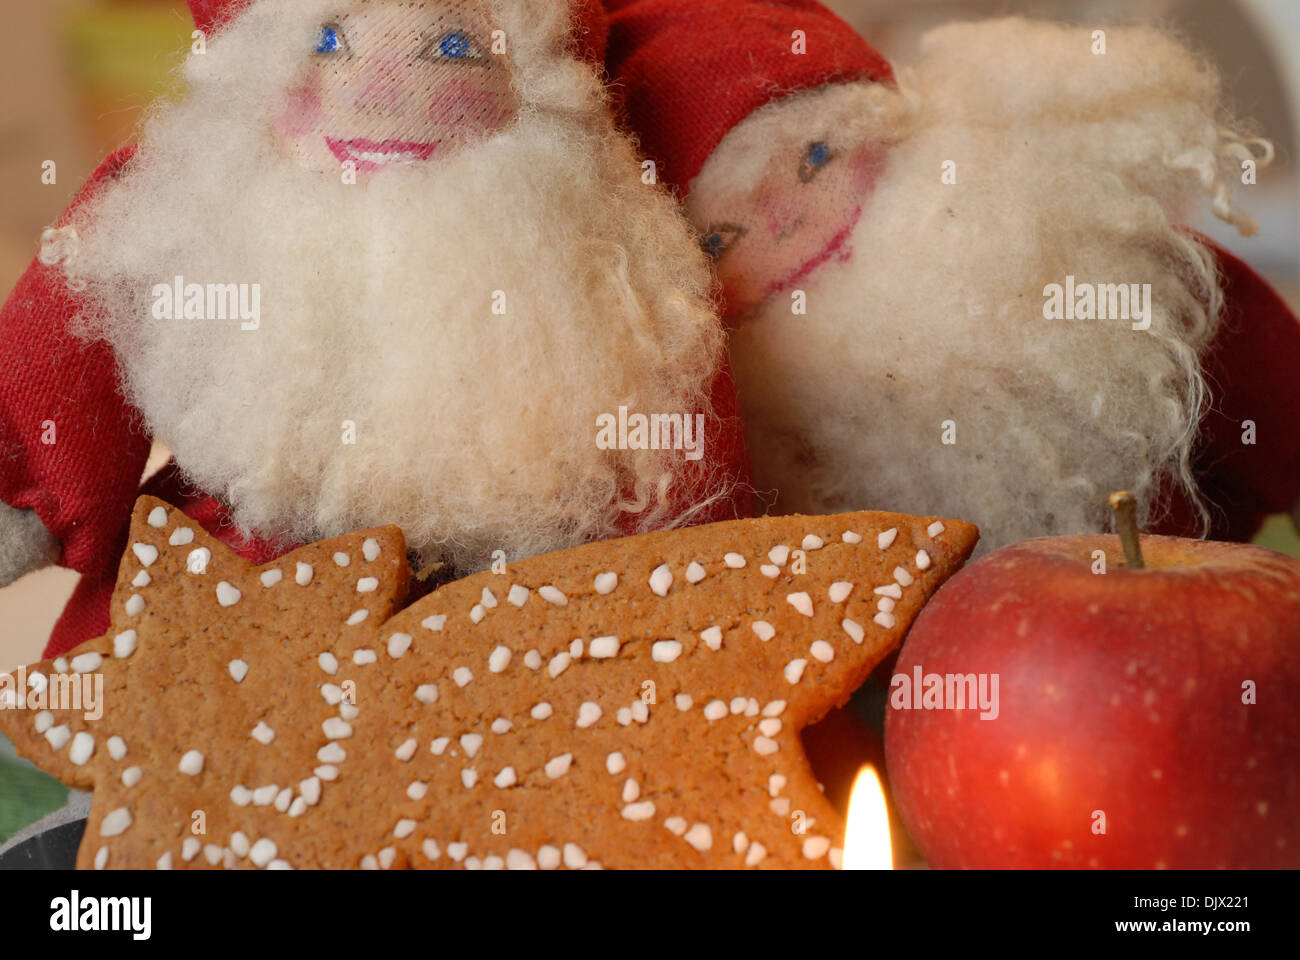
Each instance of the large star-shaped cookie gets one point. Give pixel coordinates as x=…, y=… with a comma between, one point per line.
x=633, y=703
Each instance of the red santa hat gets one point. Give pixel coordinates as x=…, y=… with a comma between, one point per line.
x=685, y=76
x=588, y=37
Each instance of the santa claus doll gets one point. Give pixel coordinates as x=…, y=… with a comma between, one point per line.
x=383, y=262
x=965, y=288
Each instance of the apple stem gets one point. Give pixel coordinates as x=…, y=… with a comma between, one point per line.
x=1125, y=506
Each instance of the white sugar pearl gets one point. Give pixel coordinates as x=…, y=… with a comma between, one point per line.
x=147, y=553
x=823, y=651
x=427, y=693
x=131, y=776
x=87, y=663
x=886, y=539
x=765, y=747
x=606, y=583
x=407, y=750
x=615, y=763
x=303, y=573
x=712, y=638
x=470, y=743
x=715, y=710
x=542, y=711
x=271, y=577
x=398, y=644
x=886, y=620
x=734, y=560
x=588, y=714
x=602, y=648
x=434, y=623
x=116, y=747
x=462, y=676
x=367, y=585
x=559, y=766
x=124, y=644
x=263, y=734
x=853, y=629
x=58, y=737
x=764, y=630
x=922, y=560
x=192, y=763
x=559, y=663
x=695, y=573
x=227, y=595
x=637, y=812
x=262, y=853
x=848, y=536
x=499, y=660
x=666, y=651
x=903, y=577
x=336, y=729
x=115, y=823
x=518, y=595
x=181, y=536
x=370, y=549
x=935, y=528
x=83, y=746
x=157, y=517
x=794, y=670
x=779, y=555
x=238, y=670
x=801, y=602
x=661, y=580
x=813, y=542
x=342, y=559
x=364, y=657
x=329, y=663
x=198, y=560
x=552, y=595
x=134, y=605
x=700, y=837
x=839, y=591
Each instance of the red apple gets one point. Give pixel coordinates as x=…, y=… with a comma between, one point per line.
x=1146, y=718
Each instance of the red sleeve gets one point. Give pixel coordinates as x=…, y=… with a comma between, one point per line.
x=1253, y=373
x=84, y=483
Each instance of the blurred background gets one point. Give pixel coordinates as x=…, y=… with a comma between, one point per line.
x=77, y=74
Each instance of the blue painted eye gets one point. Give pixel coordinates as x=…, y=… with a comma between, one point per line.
x=818, y=156
x=329, y=41
x=721, y=238
x=455, y=46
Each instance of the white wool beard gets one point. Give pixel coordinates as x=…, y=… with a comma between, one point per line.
x=474, y=432
x=938, y=317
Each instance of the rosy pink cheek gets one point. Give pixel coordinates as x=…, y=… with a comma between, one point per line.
x=461, y=101
x=301, y=115
x=868, y=165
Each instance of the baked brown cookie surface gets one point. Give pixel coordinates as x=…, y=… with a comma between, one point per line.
x=631, y=703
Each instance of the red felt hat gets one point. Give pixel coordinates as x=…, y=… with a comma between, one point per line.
x=685, y=72
x=589, y=29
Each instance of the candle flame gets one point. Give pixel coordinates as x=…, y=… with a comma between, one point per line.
x=867, y=844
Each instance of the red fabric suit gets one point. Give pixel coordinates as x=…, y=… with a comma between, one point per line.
x=83, y=485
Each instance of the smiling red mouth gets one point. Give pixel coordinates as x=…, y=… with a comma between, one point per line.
x=838, y=245
x=370, y=155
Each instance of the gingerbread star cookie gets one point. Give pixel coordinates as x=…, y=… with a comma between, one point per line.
x=632, y=703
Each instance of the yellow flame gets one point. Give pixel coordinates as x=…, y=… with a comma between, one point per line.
x=867, y=844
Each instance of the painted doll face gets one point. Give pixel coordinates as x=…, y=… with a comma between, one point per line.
x=397, y=83
x=798, y=218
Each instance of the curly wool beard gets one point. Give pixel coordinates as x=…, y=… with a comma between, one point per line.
x=474, y=431
x=925, y=378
